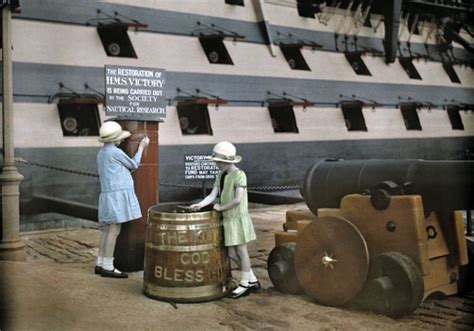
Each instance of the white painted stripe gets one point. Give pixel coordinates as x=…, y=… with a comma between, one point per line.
x=58, y=44
x=245, y=125
x=39, y=125
x=253, y=125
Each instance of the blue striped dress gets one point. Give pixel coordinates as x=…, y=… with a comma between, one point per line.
x=118, y=202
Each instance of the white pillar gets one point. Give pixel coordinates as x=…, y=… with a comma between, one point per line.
x=11, y=246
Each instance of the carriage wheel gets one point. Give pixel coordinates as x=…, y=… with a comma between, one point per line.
x=281, y=270
x=394, y=285
x=331, y=260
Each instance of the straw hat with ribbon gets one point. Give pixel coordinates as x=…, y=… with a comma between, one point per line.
x=112, y=131
x=225, y=152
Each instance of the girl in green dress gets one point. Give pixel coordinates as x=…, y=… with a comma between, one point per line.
x=231, y=188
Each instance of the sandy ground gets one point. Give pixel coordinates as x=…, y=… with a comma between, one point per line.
x=57, y=290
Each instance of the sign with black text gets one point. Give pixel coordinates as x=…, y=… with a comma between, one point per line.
x=134, y=91
x=199, y=167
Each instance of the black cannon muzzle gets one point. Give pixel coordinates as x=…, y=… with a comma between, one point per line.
x=444, y=185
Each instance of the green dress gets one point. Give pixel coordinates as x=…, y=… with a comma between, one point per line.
x=238, y=226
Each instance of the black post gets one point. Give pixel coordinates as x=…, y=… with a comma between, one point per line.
x=392, y=15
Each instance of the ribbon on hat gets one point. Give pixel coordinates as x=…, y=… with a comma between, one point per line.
x=112, y=135
x=225, y=157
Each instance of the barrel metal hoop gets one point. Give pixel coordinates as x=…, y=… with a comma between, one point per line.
x=185, y=227
x=184, y=217
x=184, y=292
x=171, y=248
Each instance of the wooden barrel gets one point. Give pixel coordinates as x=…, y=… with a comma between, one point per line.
x=185, y=256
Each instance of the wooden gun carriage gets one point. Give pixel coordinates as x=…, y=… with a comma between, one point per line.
x=379, y=234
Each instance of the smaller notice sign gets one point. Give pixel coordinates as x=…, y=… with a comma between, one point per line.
x=199, y=167
x=134, y=91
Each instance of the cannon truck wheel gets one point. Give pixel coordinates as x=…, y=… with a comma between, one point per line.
x=281, y=269
x=331, y=260
x=466, y=272
x=394, y=286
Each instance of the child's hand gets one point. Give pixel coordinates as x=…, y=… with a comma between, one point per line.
x=145, y=141
x=217, y=207
x=195, y=206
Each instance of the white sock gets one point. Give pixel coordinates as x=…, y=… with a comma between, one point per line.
x=245, y=278
x=108, y=263
x=252, y=278
x=100, y=261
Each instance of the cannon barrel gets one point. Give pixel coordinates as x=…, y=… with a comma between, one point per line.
x=444, y=185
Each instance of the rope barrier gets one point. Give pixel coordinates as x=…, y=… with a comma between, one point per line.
x=46, y=166
x=88, y=174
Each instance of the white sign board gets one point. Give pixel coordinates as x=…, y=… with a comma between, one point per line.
x=199, y=167
x=134, y=91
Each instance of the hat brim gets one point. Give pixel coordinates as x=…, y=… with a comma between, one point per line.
x=123, y=135
x=237, y=159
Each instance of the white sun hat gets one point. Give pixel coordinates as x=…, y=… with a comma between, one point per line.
x=225, y=152
x=112, y=131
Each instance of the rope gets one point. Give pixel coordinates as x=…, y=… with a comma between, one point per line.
x=46, y=166
x=274, y=188
x=251, y=188
x=181, y=185
x=88, y=174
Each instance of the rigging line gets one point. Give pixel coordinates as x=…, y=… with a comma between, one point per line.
x=100, y=21
x=128, y=18
x=379, y=23
x=187, y=93
x=433, y=27
x=421, y=102
x=276, y=95
x=366, y=99
x=346, y=14
x=204, y=92
x=96, y=91
x=225, y=29
x=294, y=96
x=355, y=17
x=366, y=48
x=62, y=86
x=413, y=25
x=215, y=28
x=107, y=15
x=404, y=23
x=329, y=13
x=61, y=95
x=290, y=36
x=362, y=19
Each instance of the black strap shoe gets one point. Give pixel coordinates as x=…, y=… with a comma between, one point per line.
x=98, y=270
x=254, y=286
x=239, y=292
x=113, y=273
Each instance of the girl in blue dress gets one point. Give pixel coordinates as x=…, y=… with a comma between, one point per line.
x=117, y=201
